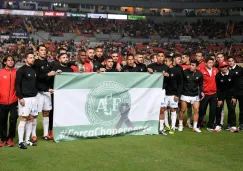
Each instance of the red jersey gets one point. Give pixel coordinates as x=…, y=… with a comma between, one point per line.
x=201, y=65
x=185, y=66
x=85, y=67
x=7, y=86
x=209, y=82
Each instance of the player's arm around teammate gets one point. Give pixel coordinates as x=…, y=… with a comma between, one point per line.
x=25, y=86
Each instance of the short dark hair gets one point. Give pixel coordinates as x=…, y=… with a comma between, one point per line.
x=5, y=60
x=220, y=53
x=114, y=53
x=139, y=53
x=90, y=48
x=109, y=57
x=194, y=62
x=98, y=47
x=170, y=58
x=160, y=52
x=60, y=49
x=177, y=55
x=152, y=56
x=231, y=57
x=38, y=47
x=82, y=50
x=209, y=59
x=200, y=52
x=28, y=53
x=186, y=54
x=130, y=55
x=61, y=54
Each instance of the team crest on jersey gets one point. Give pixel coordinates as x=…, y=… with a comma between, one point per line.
x=187, y=77
x=5, y=77
x=141, y=69
x=229, y=79
x=172, y=75
x=236, y=72
x=204, y=73
x=222, y=80
x=197, y=78
x=29, y=75
x=42, y=67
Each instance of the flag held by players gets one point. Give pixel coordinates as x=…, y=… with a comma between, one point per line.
x=106, y=104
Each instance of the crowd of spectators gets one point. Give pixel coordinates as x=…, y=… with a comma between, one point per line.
x=238, y=28
x=56, y=26
x=96, y=26
x=206, y=27
x=17, y=48
x=134, y=29
x=11, y=24
x=138, y=29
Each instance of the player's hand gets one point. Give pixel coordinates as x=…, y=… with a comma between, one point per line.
x=59, y=71
x=150, y=70
x=102, y=69
x=220, y=103
x=203, y=95
x=51, y=74
x=118, y=67
x=234, y=101
x=21, y=101
x=51, y=91
x=176, y=99
x=166, y=74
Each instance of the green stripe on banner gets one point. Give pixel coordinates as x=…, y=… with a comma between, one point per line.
x=90, y=80
x=69, y=133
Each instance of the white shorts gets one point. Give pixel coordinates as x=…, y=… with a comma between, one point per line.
x=190, y=99
x=29, y=108
x=44, y=101
x=169, y=102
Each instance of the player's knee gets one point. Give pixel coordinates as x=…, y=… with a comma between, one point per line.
x=182, y=110
x=196, y=111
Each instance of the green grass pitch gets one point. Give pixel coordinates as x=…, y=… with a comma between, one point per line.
x=186, y=151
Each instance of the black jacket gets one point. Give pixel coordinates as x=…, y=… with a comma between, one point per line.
x=238, y=80
x=160, y=68
x=174, y=83
x=127, y=68
x=225, y=86
x=98, y=63
x=63, y=69
x=43, y=80
x=141, y=67
x=25, y=82
x=192, y=83
x=111, y=70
